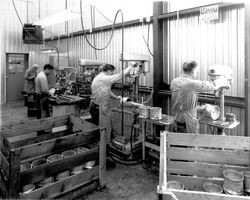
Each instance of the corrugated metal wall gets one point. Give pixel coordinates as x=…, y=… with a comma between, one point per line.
x=218, y=42
x=11, y=37
x=133, y=42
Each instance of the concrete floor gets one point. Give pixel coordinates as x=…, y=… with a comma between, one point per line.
x=123, y=182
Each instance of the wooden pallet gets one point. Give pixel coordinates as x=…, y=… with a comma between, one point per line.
x=194, y=159
x=19, y=145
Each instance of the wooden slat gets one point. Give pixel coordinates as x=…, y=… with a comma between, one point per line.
x=79, y=191
x=193, y=183
x=14, y=174
x=38, y=139
x=4, y=165
x=209, y=155
x=102, y=158
x=3, y=189
x=35, y=125
x=201, y=169
x=50, y=169
x=152, y=146
x=58, y=144
x=193, y=195
x=61, y=186
x=202, y=140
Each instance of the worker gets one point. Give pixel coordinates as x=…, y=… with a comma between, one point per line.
x=100, y=99
x=185, y=96
x=29, y=79
x=43, y=91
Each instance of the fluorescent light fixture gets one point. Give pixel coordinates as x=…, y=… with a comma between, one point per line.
x=63, y=16
x=48, y=51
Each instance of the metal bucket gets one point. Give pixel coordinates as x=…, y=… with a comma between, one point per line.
x=28, y=188
x=155, y=113
x=175, y=185
x=81, y=149
x=233, y=181
x=62, y=175
x=54, y=158
x=144, y=112
x=212, y=111
x=212, y=188
x=247, y=181
x=25, y=166
x=38, y=162
x=89, y=165
x=68, y=153
x=46, y=182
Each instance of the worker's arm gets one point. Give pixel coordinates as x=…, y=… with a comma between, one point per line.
x=203, y=86
x=116, y=77
x=112, y=95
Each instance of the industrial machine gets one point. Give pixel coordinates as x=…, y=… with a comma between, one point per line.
x=86, y=71
x=126, y=128
x=215, y=115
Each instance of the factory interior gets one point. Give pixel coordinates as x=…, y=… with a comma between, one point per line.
x=125, y=100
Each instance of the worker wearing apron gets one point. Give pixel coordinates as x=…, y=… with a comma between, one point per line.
x=185, y=96
x=100, y=99
x=43, y=92
x=29, y=79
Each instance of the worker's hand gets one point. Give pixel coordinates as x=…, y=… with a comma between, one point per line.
x=134, y=64
x=52, y=91
x=119, y=98
x=201, y=108
x=221, y=83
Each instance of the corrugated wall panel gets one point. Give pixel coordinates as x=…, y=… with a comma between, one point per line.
x=133, y=42
x=220, y=42
x=208, y=43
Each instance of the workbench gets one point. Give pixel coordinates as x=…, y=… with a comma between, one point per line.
x=151, y=135
x=67, y=104
x=219, y=124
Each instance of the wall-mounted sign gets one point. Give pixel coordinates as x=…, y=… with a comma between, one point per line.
x=209, y=13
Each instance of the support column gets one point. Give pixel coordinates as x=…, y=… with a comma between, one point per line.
x=247, y=68
x=158, y=8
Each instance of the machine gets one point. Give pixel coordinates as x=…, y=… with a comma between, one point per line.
x=215, y=115
x=86, y=71
x=126, y=128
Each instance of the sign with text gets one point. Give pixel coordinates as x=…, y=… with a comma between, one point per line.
x=209, y=13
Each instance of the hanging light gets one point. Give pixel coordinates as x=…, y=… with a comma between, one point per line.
x=48, y=51
x=63, y=16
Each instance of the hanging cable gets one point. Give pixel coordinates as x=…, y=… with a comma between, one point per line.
x=103, y=15
x=112, y=33
x=93, y=26
x=146, y=42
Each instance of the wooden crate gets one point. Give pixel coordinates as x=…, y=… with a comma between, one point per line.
x=194, y=159
x=20, y=144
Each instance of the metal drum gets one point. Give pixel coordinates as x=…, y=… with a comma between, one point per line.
x=38, y=162
x=233, y=181
x=53, y=158
x=175, y=185
x=212, y=111
x=144, y=112
x=212, y=188
x=68, y=153
x=155, y=113
x=28, y=188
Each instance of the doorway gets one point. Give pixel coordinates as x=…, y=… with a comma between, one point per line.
x=16, y=66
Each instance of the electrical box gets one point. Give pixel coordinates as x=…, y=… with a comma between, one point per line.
x=32, y=34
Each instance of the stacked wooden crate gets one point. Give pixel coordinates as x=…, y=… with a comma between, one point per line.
x=193, y=160
x=20, y=144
